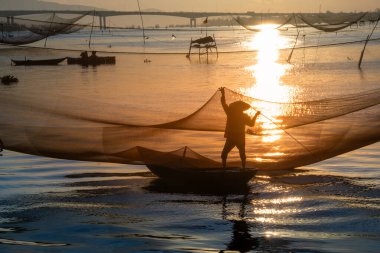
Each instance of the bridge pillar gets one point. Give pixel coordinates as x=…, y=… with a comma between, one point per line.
x=8, y=20
x=104, y=23
x=12, y=20
x=193, y=22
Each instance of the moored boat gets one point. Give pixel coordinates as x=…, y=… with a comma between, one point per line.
x=98, y=60
x=29, y=62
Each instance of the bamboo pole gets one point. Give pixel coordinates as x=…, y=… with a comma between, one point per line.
x=366, y=42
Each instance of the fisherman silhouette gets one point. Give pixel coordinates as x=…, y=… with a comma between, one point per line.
x=93, y=55
x=235, y=127
x=84, y=55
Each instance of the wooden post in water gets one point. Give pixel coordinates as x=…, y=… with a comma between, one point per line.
x=92, y=29
x=366, y=42
x=51, y=22
x=294, y=46
x=295, y=43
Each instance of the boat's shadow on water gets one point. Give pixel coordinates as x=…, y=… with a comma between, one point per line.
x=164, y=186
x=242, y=239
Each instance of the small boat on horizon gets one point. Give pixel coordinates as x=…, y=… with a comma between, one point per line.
x=30, y=62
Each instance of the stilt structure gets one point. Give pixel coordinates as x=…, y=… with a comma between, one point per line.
x=204, y=45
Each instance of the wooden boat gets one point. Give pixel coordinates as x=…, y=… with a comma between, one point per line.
x=29, y=62
x=213, y=177
x=98, y=60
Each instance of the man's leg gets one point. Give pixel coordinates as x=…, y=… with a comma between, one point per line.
x=241, y=146
x=228, y=146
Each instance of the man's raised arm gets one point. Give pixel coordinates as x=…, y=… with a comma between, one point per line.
x=223, y=100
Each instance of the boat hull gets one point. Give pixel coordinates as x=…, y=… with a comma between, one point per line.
x=92, y=61
x=37, y=62
x=232, y=177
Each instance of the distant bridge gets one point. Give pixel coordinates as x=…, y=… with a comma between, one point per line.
x=125, y=13
x=103, y=14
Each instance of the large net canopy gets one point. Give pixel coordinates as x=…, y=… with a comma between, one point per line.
x=286, y=135
x=31, y=28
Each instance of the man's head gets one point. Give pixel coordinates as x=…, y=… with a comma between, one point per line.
x=239, y=106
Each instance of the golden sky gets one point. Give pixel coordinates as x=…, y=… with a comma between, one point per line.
x=233, y=5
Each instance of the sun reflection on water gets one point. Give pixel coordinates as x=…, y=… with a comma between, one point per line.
x=270, y=210
x=278, y=201
x=267, y=73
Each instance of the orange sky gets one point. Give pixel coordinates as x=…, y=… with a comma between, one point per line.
x=235, y=5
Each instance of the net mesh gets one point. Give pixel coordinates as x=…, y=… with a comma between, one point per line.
x=287, y=135
x=252, y=24
x=327, y=22
x=28, y=29
x=331, y=23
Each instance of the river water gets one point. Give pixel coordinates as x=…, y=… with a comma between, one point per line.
x=51, y=205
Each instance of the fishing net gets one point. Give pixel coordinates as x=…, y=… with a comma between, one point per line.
x=48, y=25
x=19, y=37
x=331, y=23
x=252, y=23
x=338, y=18
x=327, y=22
x=286, y=135
x=31, y=28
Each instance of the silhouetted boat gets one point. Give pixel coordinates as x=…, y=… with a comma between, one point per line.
x=92, y=60
x=213, y=177
x=28, y=62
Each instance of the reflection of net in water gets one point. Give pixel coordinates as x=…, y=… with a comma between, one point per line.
x=77, y=129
